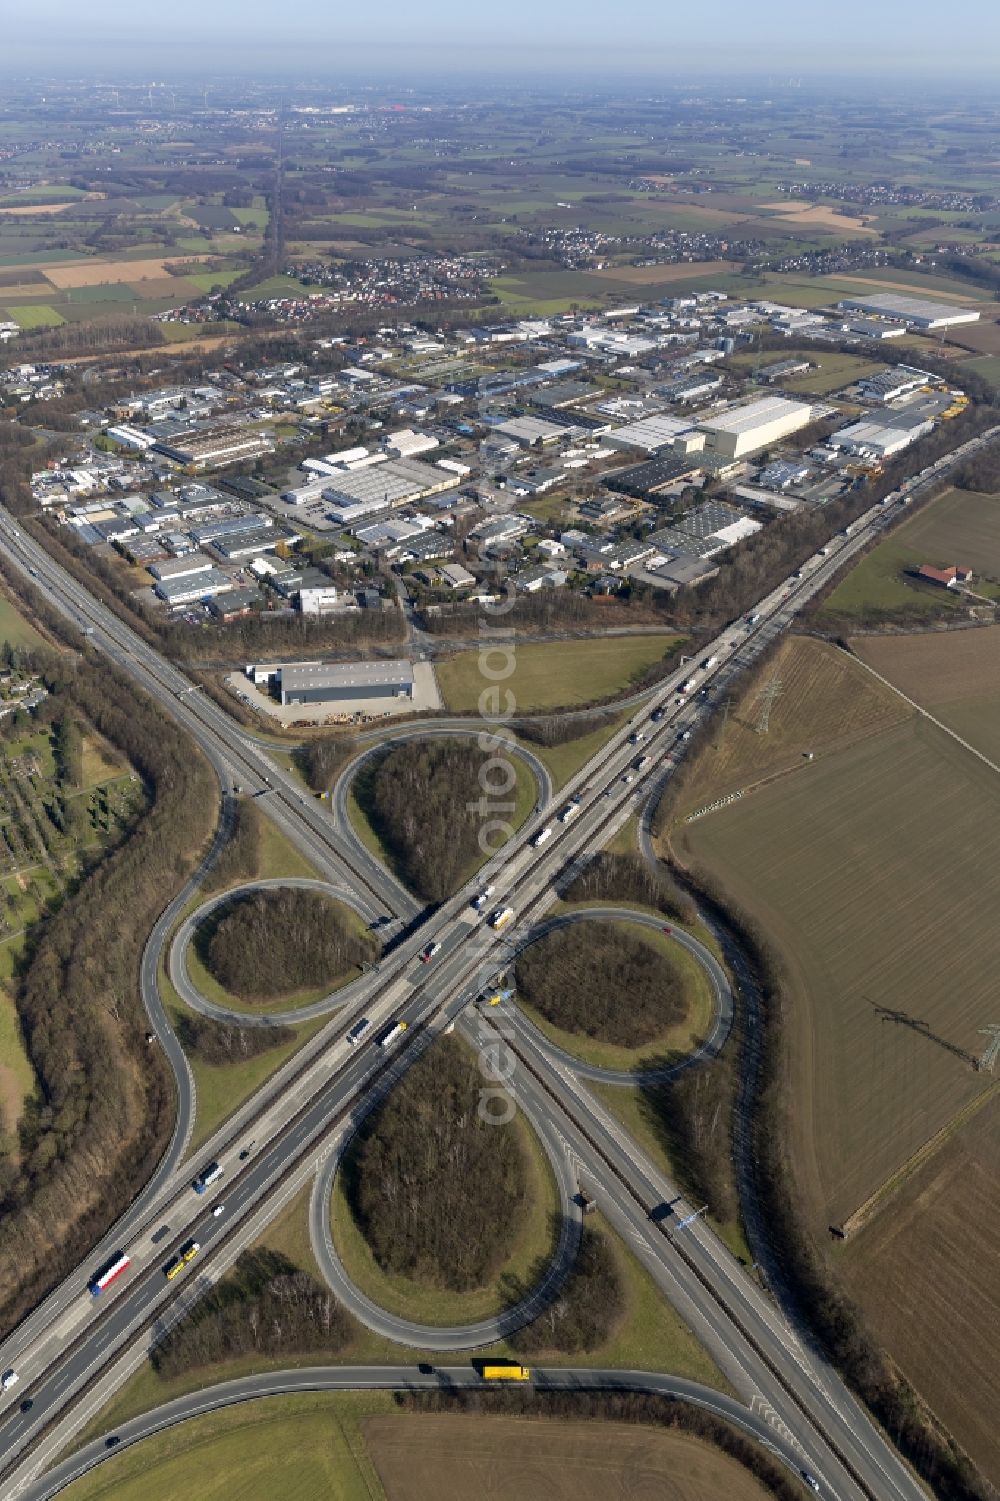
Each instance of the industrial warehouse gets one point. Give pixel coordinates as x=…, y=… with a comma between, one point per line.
x=749, y=428
x=337, y=691
x=916, y=312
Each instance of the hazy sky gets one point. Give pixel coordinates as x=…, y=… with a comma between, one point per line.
x=773, y=37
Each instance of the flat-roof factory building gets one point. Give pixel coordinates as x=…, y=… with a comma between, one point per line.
x=747, y=429
x=917, y=312
x=319, y=682
x=393, y=483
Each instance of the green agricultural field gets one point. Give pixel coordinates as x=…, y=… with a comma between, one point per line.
x=17, y=1077
x=986, y=365
x=35, y=315
x=557, y=674
x=14, y=628
x=204, y=281
x=960, y=527
x=831, y=371
x=104, y=291
x=299, y=1448
x=858, y=867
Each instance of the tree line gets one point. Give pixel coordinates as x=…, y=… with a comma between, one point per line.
x=439, y=1194
x=601, y=980
x=265, y=1307
x=421, y=799
x=103, y=1104
x=271, y=943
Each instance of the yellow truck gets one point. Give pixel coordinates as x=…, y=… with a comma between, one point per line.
x=506, y=1373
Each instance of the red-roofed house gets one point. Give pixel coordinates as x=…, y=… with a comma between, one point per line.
x=946, y=577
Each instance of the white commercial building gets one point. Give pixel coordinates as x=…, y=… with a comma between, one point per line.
x=649, y=433
x=406, y=444
x=917, y=312
x=876, y=440
x=130, y=437
x=318, y=601
x=393, y=483
x=746, y=429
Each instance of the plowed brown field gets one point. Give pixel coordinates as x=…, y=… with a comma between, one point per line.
x=438, y=1457
x=928, y=1275
x=863, y=868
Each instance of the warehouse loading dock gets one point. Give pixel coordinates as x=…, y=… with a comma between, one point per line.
x=319, y=692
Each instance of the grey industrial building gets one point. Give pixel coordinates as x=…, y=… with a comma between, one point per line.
x=319, y=682
x=185, y=591
x=394, y=483
x=212, y=447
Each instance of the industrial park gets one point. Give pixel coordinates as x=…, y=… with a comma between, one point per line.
x=499, y=589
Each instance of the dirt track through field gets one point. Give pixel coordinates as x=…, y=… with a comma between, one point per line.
x=440, y=1457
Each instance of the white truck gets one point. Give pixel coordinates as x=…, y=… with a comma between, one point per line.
x=570, y=811
x=542, y=837
x=388, y=1038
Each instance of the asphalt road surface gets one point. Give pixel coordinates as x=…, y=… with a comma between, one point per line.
x=804, y=1397
x=398, y=1379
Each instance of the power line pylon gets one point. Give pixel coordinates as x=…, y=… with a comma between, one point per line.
x=765, y=699
x=991, y=1053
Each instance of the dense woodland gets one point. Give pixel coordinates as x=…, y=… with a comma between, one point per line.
x=104, y=1102
x=421, y=799
x=239, y=858
x=322, y=759
x=629, y=878
x=693, y=1118
x=265, y=1307
x=274, y=942
x=612, y=1407
x=557, y=729
x=588, y=1308
x=220, y=1043
x=601, y=980
x=440, y=1194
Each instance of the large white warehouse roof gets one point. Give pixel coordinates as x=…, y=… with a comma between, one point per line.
x=916, y=310
x=757, y=414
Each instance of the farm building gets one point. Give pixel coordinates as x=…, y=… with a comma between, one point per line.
x=948, y=578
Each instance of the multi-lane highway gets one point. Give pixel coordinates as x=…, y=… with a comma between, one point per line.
x=67, y=1344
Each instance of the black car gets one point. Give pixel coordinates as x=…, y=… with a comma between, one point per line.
x=112, y=1442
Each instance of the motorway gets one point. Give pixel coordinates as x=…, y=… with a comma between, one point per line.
x=64, y=1346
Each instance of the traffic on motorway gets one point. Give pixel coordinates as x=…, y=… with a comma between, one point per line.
x=59, y=1350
